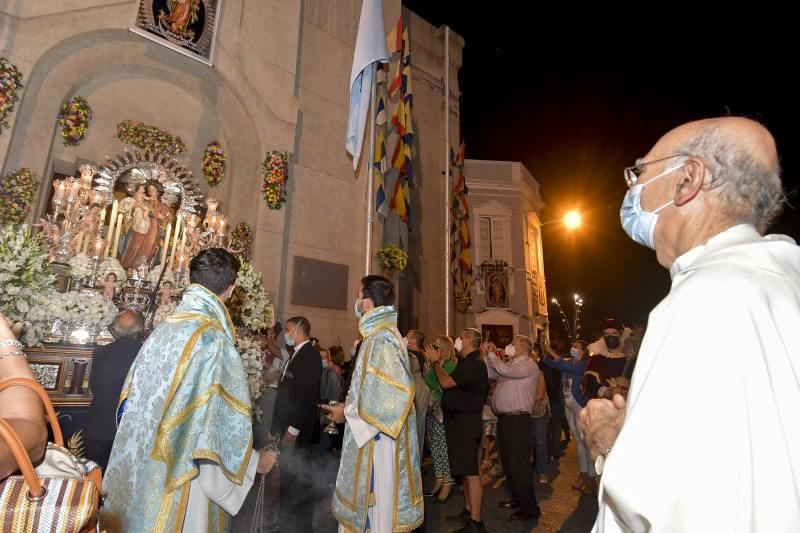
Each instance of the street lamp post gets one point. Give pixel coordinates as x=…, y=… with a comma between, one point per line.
x=563, y=316
x=576, y=315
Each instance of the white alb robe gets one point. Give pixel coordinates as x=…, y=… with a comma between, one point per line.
x=381, y=514
x=211, y=485
x=711, y=440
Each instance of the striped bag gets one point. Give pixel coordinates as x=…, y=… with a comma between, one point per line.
x=61, y=495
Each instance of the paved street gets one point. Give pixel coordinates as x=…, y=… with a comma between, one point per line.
x=563, y=509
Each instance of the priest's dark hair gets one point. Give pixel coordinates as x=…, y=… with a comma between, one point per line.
x=378, y=289
x=215, y=269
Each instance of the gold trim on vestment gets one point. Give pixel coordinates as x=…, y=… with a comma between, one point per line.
x=184, y=503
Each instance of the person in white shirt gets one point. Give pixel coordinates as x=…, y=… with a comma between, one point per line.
x=719, y=357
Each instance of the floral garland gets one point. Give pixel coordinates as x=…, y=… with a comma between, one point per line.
x=241, y=240
x=10, y=84
x=73, y=120
x=24, y=277
x=17, y=191
x=393, y=258
x=250, y=303
x=249, y=349
x=214, y=163
x=276, y=172
x=111, y=266
x=169, y=275
x=149, y=137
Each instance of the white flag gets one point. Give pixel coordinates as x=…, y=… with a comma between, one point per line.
x=370, y=47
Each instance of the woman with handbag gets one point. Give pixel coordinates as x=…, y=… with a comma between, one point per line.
x=62, y=493
x=20, y=407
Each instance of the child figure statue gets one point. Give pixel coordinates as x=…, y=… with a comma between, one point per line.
x=110, y=286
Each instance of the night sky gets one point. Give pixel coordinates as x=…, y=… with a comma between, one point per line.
x=577, y=100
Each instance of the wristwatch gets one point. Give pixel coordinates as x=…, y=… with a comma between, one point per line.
x=600, y=462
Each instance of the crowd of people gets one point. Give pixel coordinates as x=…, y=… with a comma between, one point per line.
x=181, y=451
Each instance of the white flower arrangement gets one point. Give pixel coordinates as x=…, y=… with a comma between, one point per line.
x=250, y=304
x=249, y=349
x=25, y=279
x=74, y=306
x=81, y=265
x=111, y=266
x=163, y=312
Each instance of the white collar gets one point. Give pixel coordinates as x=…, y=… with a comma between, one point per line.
x=723, y=239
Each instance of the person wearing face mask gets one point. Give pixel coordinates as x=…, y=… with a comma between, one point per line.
x=513, y=399
x=296, y=423
x=607, y=363
x=572, y=371
x=379, y=486
x=732, y=312
x=182, y=458
x=464, y=393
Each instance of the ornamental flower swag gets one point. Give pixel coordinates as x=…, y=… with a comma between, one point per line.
x=10, y=85
x=149, y=137
x=393, y=258
x=214, y=159
x=276, y=172
x=249, y=349
x=17, y=191
x=73, y=120
x=241, y=241
x=250, y=305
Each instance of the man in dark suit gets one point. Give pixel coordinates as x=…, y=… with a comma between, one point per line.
x=110, y=365
x=296, y=423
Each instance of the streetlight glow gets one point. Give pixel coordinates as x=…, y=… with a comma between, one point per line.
x=572, y=219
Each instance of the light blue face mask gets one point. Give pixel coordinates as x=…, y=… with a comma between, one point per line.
x=640, y=225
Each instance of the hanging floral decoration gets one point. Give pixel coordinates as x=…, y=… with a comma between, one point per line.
x=214, y=163
x=250, y=303
x=241, y=240
x=17, y=191
x=249, y=349
x=73, y=120
x=276, y=172
x=25, y=278
x=10, y=84
x=393, y=258
x=149, y=137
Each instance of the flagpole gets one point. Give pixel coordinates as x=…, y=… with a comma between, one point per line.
x=370, y=171
x=447, y=185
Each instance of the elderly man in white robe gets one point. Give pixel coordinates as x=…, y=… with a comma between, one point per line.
x=720, y=354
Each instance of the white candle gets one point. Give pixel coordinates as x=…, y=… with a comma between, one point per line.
x=165, y=248
x=183, y=241
x=112, y=223
x=175, y=238
x=118, y=229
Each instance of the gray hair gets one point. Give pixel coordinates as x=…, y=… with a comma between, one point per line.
x=752, y=191
x=526, y=342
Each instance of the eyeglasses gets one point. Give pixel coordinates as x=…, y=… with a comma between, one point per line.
x=632, y=173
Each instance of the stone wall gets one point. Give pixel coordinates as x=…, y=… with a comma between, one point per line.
x=279, y=82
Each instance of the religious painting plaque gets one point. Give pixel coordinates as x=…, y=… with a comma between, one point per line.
x=186, y=26
x=496, y=284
